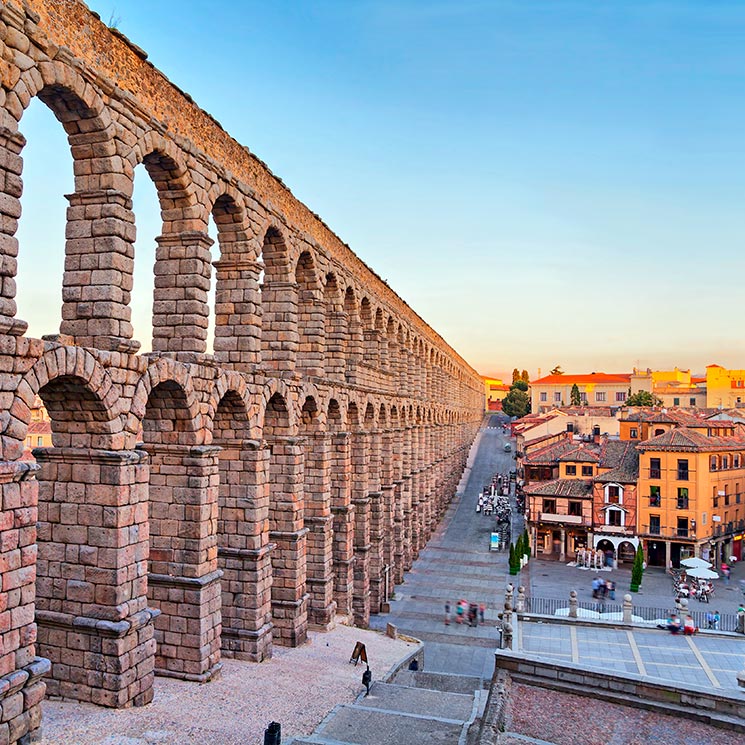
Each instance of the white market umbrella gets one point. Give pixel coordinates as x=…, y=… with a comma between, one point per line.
x=695, y=563
x=702, y=573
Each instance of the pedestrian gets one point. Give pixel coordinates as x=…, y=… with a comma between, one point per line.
x=473, y=611
x=482, y=610
x=717, y=620
x=447, y=613
x=689, y=627
x=459, y=611
x=726, y=572
x=611, y=589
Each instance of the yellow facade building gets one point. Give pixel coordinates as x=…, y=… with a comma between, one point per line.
x=725, y=389
x=494, y=391
x=690, y=497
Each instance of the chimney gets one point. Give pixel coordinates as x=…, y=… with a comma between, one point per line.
x=596, y=435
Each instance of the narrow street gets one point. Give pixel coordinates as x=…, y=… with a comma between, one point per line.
x=457, y=564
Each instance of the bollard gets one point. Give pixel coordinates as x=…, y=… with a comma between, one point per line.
x=507, y=613
x=273, y=734
x=573, y=604
x=520, y=599
x=508, y=592
x=627, y=608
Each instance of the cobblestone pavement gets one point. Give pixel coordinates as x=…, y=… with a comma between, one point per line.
x=542, y=717
x=707, y=660
x=457, y=564
x=297, y=688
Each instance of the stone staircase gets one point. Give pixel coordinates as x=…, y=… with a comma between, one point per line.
x=415, y=708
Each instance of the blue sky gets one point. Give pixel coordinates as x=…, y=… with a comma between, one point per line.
x=543, y=182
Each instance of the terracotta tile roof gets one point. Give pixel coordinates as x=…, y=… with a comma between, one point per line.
x=685, y=439
x=608, y=411
x=582, y=454
x=579, y=488
x=619, y=378
x=622, y=458
x=549, y=454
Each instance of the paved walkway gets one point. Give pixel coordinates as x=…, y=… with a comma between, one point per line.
x=457, y=564
x=706, y=660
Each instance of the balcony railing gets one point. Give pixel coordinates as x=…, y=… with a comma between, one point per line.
x=682, y=503
x=655, y=501
x=733, y=526
x=682, y=475
x=655, y=473
x=661, y=531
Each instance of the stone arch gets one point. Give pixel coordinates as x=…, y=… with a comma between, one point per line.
x=279, y=304
x=162, y=371
x=310, y=316
x=227, y=382
x=183, y=248
x=355, y=334
x=335, y=329
x=96, y=167
x=279, y=391
x=89, y=418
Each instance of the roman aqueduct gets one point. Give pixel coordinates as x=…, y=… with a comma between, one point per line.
x=196, y=505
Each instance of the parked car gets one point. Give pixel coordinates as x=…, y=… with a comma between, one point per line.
x=507, y=447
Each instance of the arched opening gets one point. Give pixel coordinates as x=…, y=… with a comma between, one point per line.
x=286, y=526
x=335, y=324
x=354, y=340
x=317, y=515
x=310, y=318
x=279, y=333
x=242, y=534
x=183, y=581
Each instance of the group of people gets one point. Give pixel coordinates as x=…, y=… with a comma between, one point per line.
x=494, y=499
x=465, y=612
x=674, y=626
x=603, y=588
x=701, y=590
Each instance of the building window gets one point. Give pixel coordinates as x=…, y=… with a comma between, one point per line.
x=676, y=402
x=726, y=497
x=614, y=517
x=583, y=397
x=654, y=496
x=682, y=497
x=682, y=527
x=620, y=396
x=557, y=397
x=549, y=506
x=735, y=461
x=544, y=396
x=575, y=509
x=683, y=469
x=587, y=470
x=654, y=525
x=713, y=463
x=39, y=442
x=600, y=395
x=693, y=401
x=571, y=470
x=654, y=468
x=634, y=433
x=613, y=494
x=725, y=461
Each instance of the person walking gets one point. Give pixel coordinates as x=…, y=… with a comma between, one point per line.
x=447, y=613
x=482, y=610
x=459, y=611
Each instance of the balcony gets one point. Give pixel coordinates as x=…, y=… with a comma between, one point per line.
x=661, y=531
x=682, y=475
x=682, y=503
x=655, y=473
x=655, y=501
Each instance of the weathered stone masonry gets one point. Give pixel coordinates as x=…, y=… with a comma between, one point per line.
x=196, y=506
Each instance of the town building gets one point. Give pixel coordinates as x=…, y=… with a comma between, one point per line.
x=725, y=389
x=674, y=387
x=494, y=391
x=690, y=496
x=595, y=389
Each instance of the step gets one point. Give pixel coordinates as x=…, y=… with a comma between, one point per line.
x=420, y=701
x=359, y=725
x=438, y=681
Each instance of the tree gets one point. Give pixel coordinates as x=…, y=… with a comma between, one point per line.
x=514, y=561
x=643, y=398
x=637, y=571
x=519, y=385
x=526, y=543
x=524, y=376
x=556, y=371
x=515, y=375
x=519, y=548
x=516, y=403
x=574, y=397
